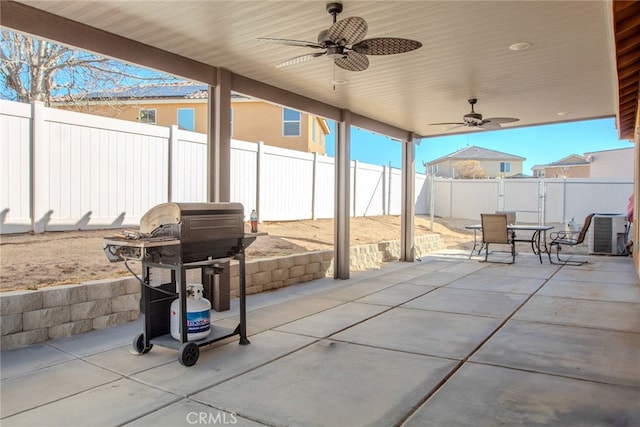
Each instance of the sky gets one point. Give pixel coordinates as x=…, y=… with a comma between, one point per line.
x=538, y=144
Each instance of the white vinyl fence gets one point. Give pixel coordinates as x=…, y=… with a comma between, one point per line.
x=62, y=170
x=540, y=201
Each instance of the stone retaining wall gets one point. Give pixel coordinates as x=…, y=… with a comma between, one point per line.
x=33, y=316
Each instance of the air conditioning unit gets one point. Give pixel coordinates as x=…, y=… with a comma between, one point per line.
x=608, y=234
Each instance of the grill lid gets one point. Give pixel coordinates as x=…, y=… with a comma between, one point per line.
x=167, y=214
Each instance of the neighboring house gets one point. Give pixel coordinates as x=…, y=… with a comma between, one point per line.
x=185, y=104
x=495, y=164
x=616, y=163
x=573, y=166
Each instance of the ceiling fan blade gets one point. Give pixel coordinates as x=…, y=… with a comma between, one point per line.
x=299, y=43
x=348, y=31
x=502, y=119
x=353, y=62
x=300, y=59
x=488, y=124
x=447, y=124
x=386, y=46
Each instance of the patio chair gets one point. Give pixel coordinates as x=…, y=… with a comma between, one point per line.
x=568, y=238
x=511, y=216
x=495, y=230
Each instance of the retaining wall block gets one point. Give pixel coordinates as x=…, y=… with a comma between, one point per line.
x=90, y=309
x=108, y=288
x=296, y=271
x=22, y=339
x=14, y=302
x=286, y=262
x=45, y=318
x=312, y=268
x=268, y=265
x=70, y=328
x=261, y=278
x=280, y=274
x=10, y=323
x=301, y=259
x=125, y=303
x=306, y=278
x=110, y=320
x=256, y=289
x=251, y=268
x=132, y=286
x=63, y=295
x=316, y=257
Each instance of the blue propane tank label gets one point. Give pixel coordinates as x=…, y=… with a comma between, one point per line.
x=197, y=321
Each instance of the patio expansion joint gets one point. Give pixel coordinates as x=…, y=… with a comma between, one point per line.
x=465, y=359
x=551, y=374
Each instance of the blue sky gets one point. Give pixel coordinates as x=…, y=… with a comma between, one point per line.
x=538, y=144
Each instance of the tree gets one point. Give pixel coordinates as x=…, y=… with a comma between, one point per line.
x=469, y=169
x=37, y=70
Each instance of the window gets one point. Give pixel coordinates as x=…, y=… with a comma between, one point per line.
x=505, y=166
x=434, y=169
x=147, y=116
x=187, y=119
x=290, y=122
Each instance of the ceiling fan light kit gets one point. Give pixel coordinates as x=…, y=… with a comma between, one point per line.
x=344, y=42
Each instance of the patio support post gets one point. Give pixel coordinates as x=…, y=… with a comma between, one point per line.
x=407, y=220
x=219, y=139
x=342, y=197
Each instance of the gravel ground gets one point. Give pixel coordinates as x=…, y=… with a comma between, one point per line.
x=30, y=261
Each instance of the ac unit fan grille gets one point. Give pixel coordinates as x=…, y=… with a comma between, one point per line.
x=603, y=227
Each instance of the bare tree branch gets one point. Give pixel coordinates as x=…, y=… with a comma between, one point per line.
x=37, y=70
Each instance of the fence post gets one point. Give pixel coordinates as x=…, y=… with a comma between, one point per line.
x=172, y=159
x=542, y=195
x=451, y=180
x=389, y=193
x=385, y=187
x=432, y=197
x=314, y=186
x=564, y=200
x=39, y=169
x=355, y=187
x=500, y=195
x=259, y=180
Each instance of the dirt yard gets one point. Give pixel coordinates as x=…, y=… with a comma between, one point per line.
x=30, y=261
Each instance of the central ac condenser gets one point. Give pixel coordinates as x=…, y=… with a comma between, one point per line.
x=608, y=234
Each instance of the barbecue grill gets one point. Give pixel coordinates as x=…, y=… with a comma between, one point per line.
x=179, y=237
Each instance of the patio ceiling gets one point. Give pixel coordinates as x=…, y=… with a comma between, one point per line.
x=569, y=72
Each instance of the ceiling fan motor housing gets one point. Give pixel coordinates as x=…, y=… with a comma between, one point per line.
x=473, y=119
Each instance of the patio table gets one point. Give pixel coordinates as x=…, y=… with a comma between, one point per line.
x=538, y=239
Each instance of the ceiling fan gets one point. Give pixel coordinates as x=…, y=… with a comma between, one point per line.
x=344, y=42
x=475, y=120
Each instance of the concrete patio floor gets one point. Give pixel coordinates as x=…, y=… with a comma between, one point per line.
x=442, y=342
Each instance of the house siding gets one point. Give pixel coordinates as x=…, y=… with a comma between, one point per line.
x=252, y=121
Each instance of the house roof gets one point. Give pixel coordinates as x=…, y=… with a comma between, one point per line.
x=477, y=153
x=573, y=160
x=174, y=90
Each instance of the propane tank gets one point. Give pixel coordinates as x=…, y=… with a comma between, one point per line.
x=198, y=314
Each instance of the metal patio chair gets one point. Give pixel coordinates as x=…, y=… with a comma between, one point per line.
x=568, y=238
x=495, y=230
